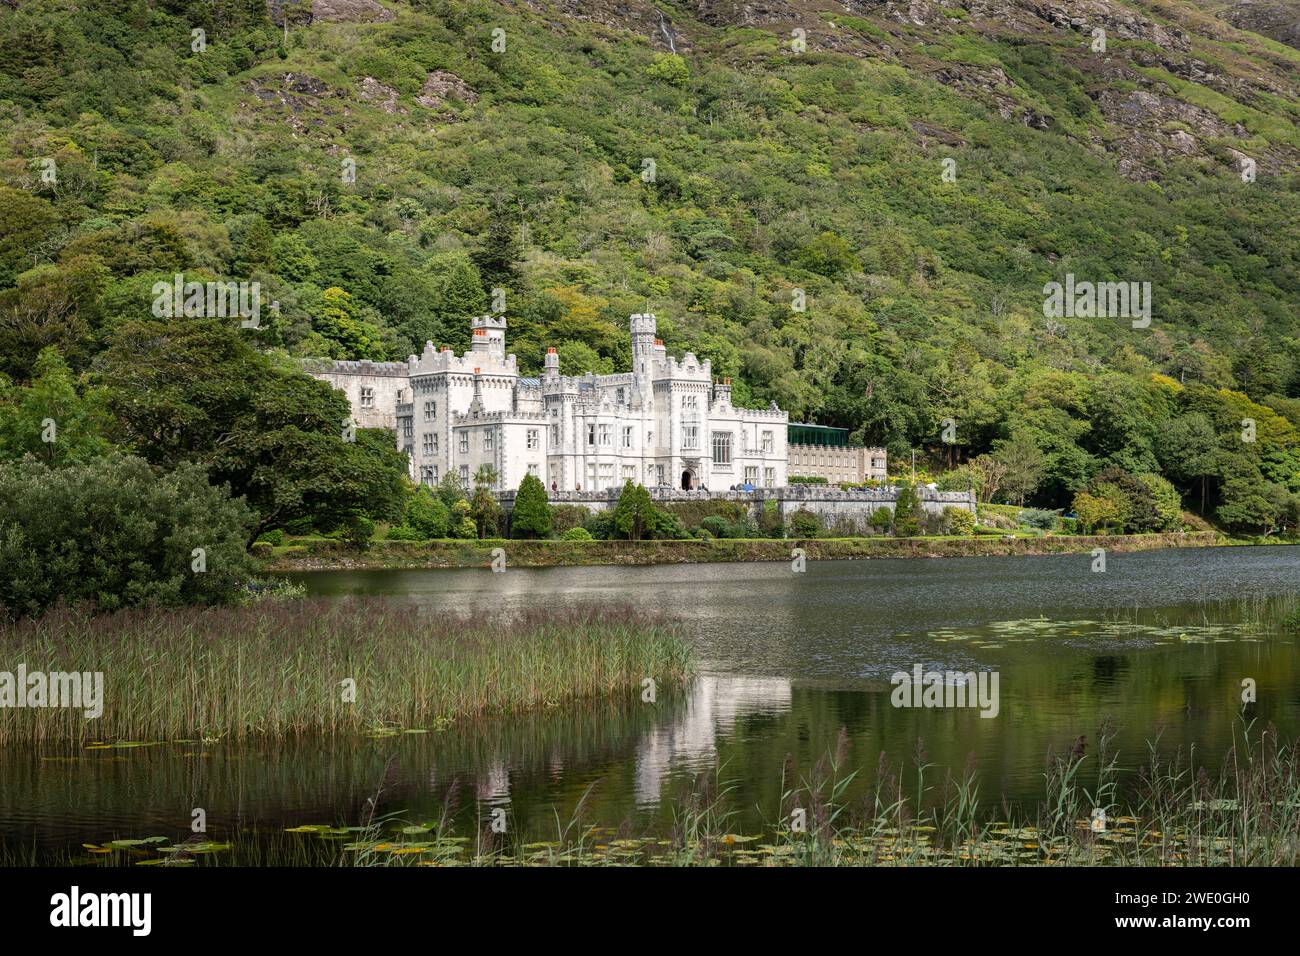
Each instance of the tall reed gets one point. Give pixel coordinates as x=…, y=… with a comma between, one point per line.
x=283, y=668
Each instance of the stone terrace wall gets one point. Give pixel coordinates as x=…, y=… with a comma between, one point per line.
x=833, y=506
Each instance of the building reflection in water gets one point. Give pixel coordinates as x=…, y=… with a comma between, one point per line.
x=689, y=741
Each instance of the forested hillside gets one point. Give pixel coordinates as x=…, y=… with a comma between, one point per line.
x=912, y=173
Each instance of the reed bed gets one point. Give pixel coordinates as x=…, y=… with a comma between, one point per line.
x=1175, y=817
x=281, y=668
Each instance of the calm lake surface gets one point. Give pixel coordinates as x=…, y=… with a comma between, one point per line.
x=1158, y=646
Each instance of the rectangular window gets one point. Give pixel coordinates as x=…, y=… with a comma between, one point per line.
x=489, y=440
x=767, y=443
x=769, y=477
x=751, y=474
x=607, y=476
x=627, y=436
x=433, y=474
x=532, y=468
x=430, y=411
x=591, y=434
x=464, y=476
x=629, y=471
x=604, y=435
x=464, y=443
x=427, y=475
x=428, y=443
x=367, y=397
x=555, y=434
x=690, y=436
x=690, y=403
x=722, y=448
x=533, y=439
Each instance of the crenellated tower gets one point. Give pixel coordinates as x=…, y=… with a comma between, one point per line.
x=489, y=334
x=643, y=344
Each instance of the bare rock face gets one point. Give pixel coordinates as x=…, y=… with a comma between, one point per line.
x=1118, y=22
x=307, y=105
x=442, y=86
x=350, y=11
x=1279, y=19
x=330, y=11
x=1158, y=127
x=379, y=94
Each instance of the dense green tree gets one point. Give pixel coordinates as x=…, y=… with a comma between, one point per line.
x=908, y=512
x=117, y=533
x=195, y=390
x=1024, y=467
x=634, y=512
x=1186, y=448
x=531, y=517
x=50, y=419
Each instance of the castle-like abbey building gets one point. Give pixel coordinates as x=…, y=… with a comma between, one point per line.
x=665, y=424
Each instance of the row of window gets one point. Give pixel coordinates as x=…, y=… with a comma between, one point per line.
x=598, y=435
x=429, y=473
x=602, y=475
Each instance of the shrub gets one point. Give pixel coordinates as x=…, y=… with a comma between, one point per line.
x=1037, y=518
x=358, y=531
x=274, y=537
x=770, y=522
x=462, y=525
x=959, y=520
x=716, y=525
x=115, y=533
x=576, y=534
x=806, y=480
x=404, y=532
x=601, y=525
x=665, y=525
x=299, y=526
x=805, y=524
x=564, y=517
x=882, y=519
x=427, y=515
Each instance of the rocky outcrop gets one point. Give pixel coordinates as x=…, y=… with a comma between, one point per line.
x=328, y=11
x=1278, y=19
x=370, y=90
x=304, y=103
x=350, y=11
x=443, y=86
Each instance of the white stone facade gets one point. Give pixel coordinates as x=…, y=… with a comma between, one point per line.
x=665, y=424
x=374, y=389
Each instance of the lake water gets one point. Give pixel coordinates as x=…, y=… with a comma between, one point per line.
x=1158, y=645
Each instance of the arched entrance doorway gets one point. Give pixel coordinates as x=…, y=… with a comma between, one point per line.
x=688, y=481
